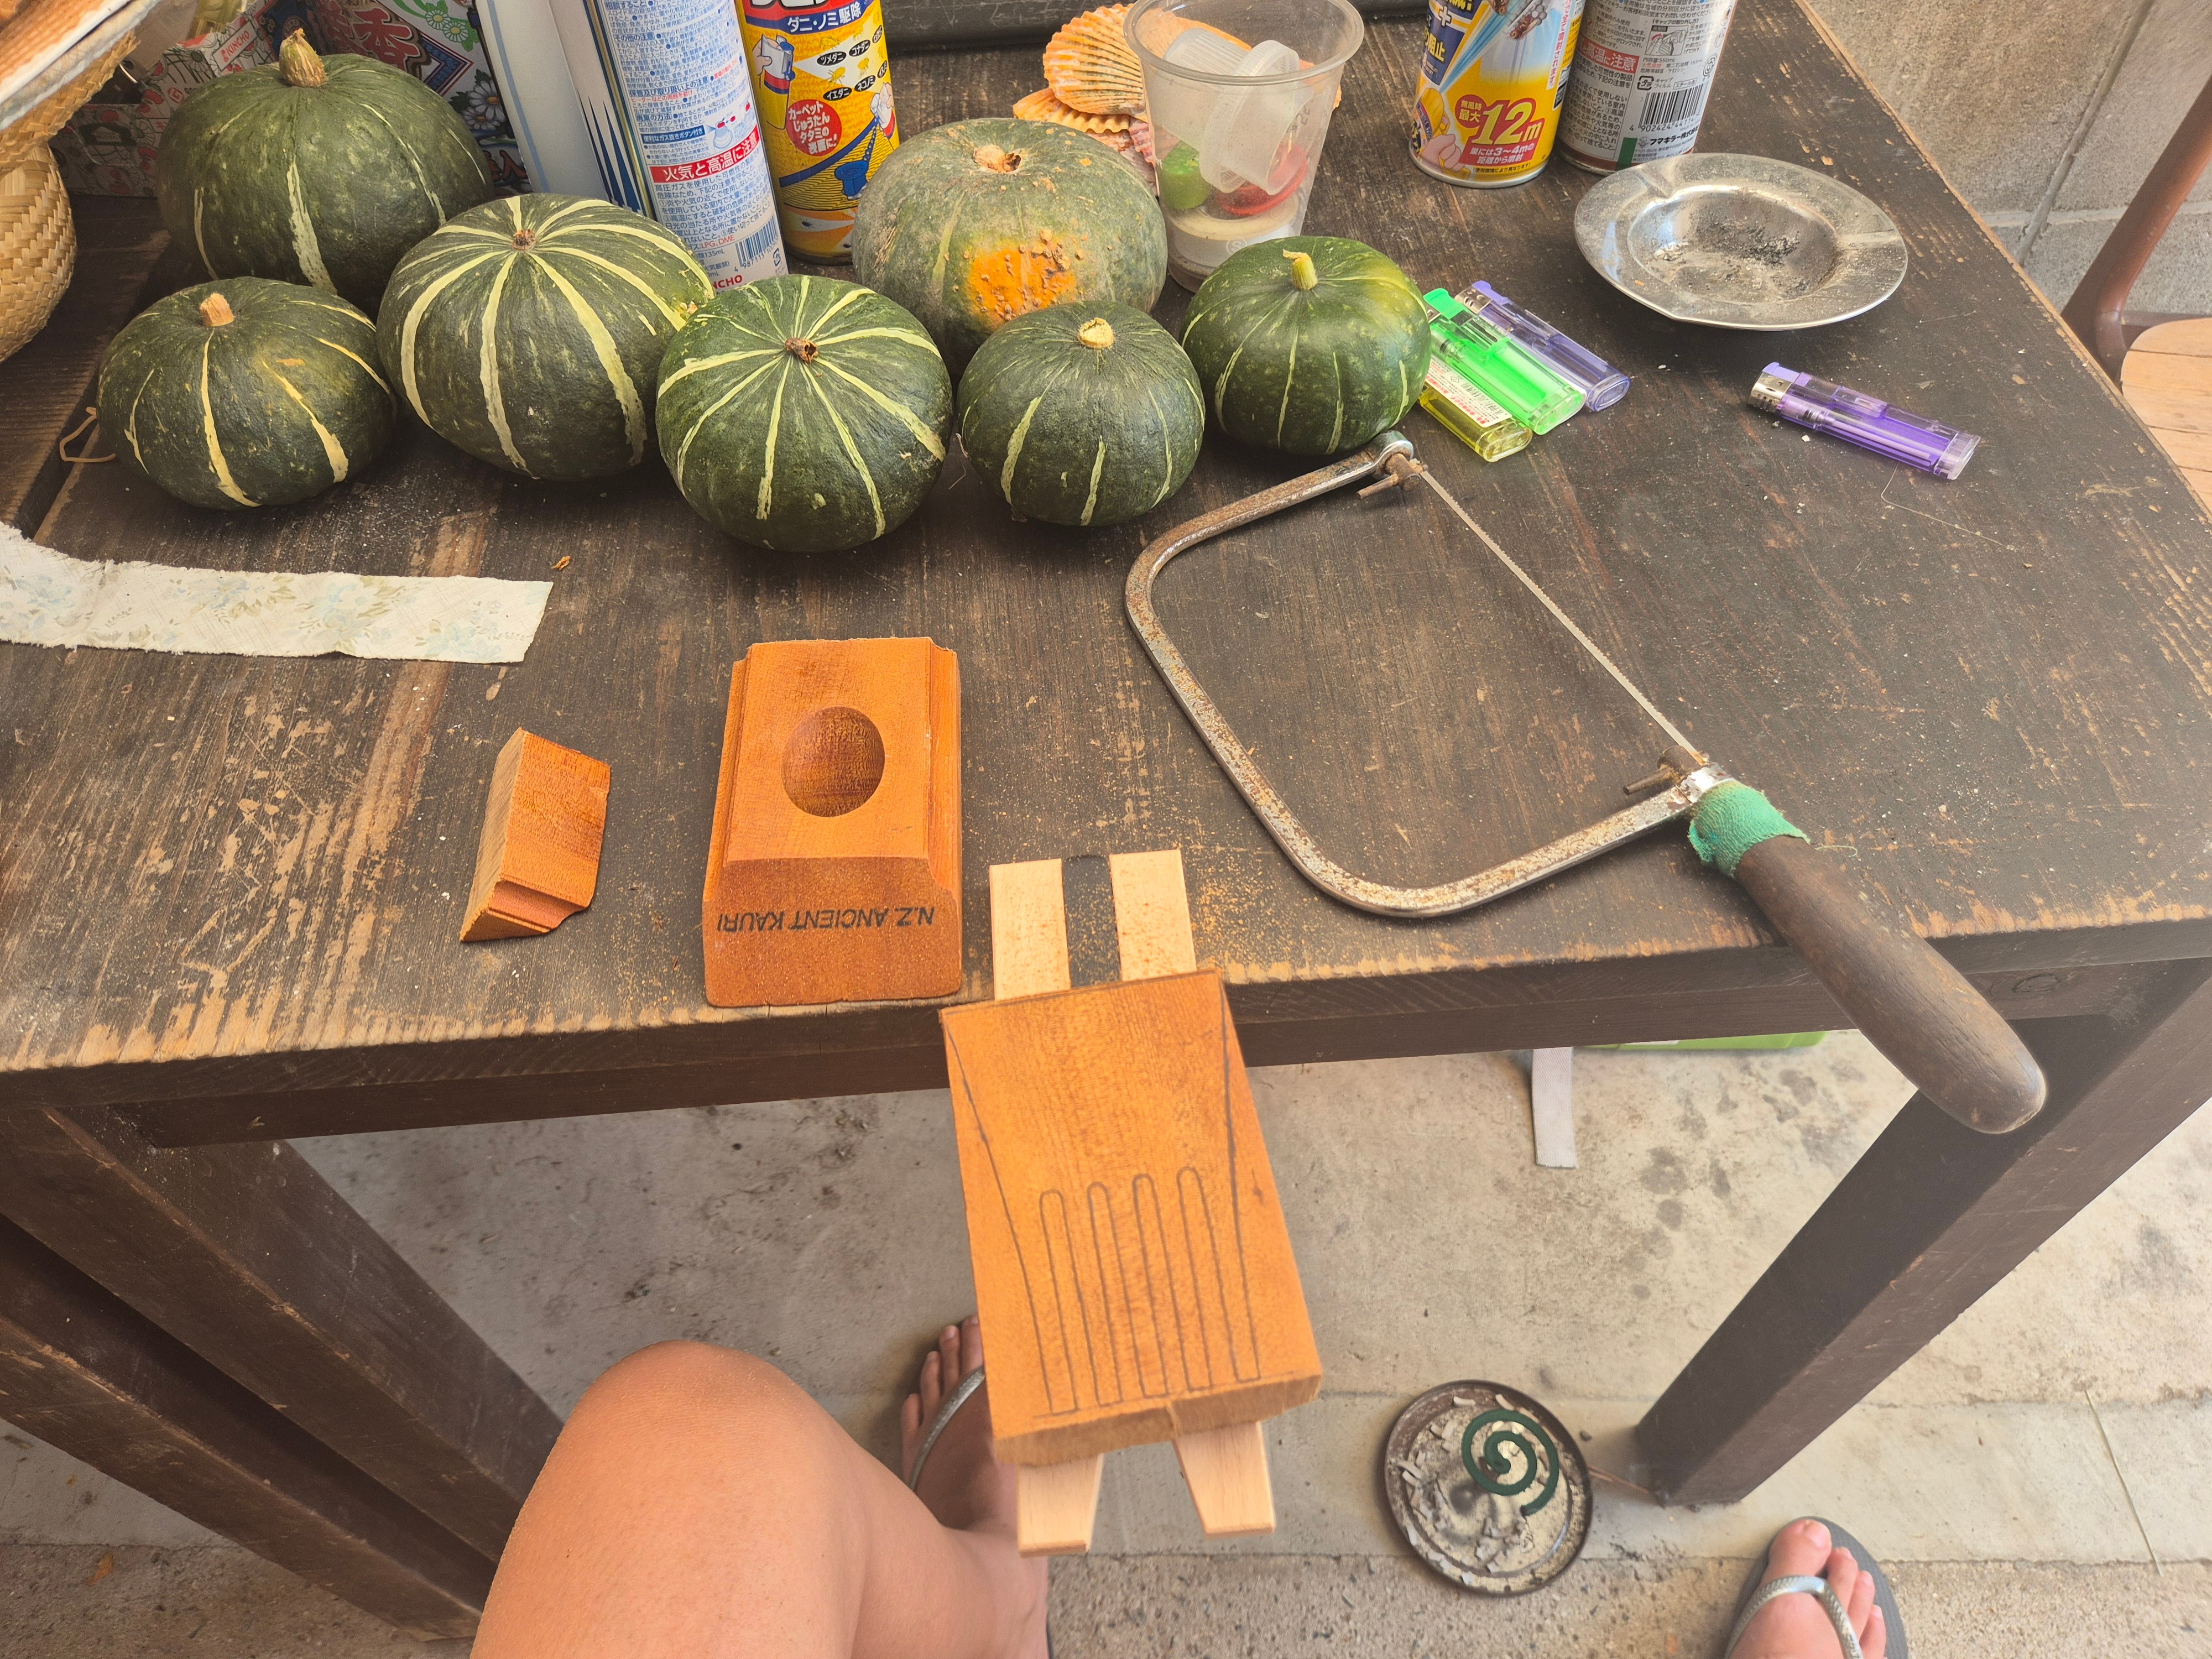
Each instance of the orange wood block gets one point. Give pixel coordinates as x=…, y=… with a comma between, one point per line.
x=834, y=874
x=539, y=862
x=1131, y=1261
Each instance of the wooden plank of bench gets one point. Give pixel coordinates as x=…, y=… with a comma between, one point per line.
x=86, y=1375
x=250, y=1258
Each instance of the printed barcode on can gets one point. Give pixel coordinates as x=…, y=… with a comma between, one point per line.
x=756, y=244
x=1663, y=109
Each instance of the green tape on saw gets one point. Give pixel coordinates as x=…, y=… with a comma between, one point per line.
x=1730, y=820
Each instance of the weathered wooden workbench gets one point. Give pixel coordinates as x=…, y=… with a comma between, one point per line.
x=229, y=888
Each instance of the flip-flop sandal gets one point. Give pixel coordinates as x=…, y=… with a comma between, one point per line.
x=1761, y=1590
x=947, y=1411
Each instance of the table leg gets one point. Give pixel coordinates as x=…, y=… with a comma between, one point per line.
x=253, y=1262
x=1930, y=1217
x=84, y=1373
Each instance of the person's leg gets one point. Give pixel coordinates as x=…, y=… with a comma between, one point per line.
x=699, y=1504
x=1796, y=1626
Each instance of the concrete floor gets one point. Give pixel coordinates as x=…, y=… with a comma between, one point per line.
x=829, y=1236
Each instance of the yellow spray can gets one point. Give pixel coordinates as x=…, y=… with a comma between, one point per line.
x=823, y=77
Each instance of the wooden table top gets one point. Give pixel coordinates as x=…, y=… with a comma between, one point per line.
x=230, y=875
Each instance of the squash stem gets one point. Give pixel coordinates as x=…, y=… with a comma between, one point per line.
x=806, y=350
x=1098, y=334
x=1302, y=270
x=299, y=64
x=214, y=311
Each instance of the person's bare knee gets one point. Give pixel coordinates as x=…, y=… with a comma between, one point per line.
x=693, y=1394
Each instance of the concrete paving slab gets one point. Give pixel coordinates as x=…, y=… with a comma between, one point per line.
x=1994, y=98
x=57, y=1603
x=2178, y=277
x=2168, y=66
x=2164, y=1452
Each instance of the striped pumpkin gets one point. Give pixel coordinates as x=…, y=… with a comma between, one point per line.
x=1082, y=414
x=804, y=414
x=1308, y=344
x=315, y=170
x=244, y=393
x=528, y=332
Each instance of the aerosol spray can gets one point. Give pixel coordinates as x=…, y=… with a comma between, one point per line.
x=669, y=108
x=1642, y=73
x=823, y=76
x=1487, y=110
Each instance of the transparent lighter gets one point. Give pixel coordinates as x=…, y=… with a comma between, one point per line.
x=1867, y=422
x=1502, y=369
x=1602, y=385
x=1462, y=410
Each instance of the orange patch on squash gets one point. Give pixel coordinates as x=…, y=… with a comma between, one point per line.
x=1012, y=280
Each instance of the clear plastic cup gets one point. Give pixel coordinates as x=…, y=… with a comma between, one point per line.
x=1239, y=94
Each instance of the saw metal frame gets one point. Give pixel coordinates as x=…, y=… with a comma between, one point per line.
x=1390, y=460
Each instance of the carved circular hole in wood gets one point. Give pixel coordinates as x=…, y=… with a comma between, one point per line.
x=833, y=762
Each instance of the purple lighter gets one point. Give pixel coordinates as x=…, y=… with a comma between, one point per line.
x=1867, y=422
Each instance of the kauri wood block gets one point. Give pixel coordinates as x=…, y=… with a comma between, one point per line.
x=539, y=862
x=1131, y=1261
x=834, y=874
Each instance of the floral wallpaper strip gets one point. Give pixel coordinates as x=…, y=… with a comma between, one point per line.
x=438, y=42
x=49, y=599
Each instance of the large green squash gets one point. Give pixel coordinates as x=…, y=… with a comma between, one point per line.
x=244, y=393
x=316, y=171
x=1082, y=414
x=972, y=225
x=1308, y=344
x=529, y=331
x=804, y=414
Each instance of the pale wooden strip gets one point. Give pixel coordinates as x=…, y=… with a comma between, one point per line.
x=1029, y=930
x=1152, y=914
x=2170, y=411
x=2191, y=451
x=1226, y=1470
x=1056, y=1505
x=1552, y=1106
x=2191, y=336
x=2201, y=484
x=2162, y=371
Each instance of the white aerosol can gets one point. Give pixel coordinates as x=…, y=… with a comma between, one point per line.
x=1643, y=72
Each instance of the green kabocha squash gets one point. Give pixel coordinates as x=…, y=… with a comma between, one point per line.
x=1082, y=414
x=804, y=414
x=529, y=331
x=315, y=170
x=972, y=225
x=1308, y=344
x=244, y=393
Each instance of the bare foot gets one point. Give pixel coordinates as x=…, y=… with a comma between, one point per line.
x=963, y=1484
x=1796, y=1626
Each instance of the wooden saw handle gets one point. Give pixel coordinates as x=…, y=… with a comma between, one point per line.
x=1913, y=1005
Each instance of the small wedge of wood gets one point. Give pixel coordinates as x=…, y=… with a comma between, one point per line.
x=539, y=862
x=1130, y=1255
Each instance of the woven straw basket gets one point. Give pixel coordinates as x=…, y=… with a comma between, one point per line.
x=38, y=246
x=38, y=238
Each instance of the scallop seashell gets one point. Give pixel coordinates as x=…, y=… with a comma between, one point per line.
x=1091, y=66
x=1044, y=106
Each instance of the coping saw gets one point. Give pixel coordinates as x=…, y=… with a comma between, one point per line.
x=1912, y=1004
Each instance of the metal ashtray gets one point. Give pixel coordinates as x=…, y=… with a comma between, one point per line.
x=1488, y=1487
x=1740, y=241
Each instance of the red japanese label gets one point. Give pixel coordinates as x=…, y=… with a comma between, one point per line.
x=714, y=164
x=1606, y=57
x=812, y=126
